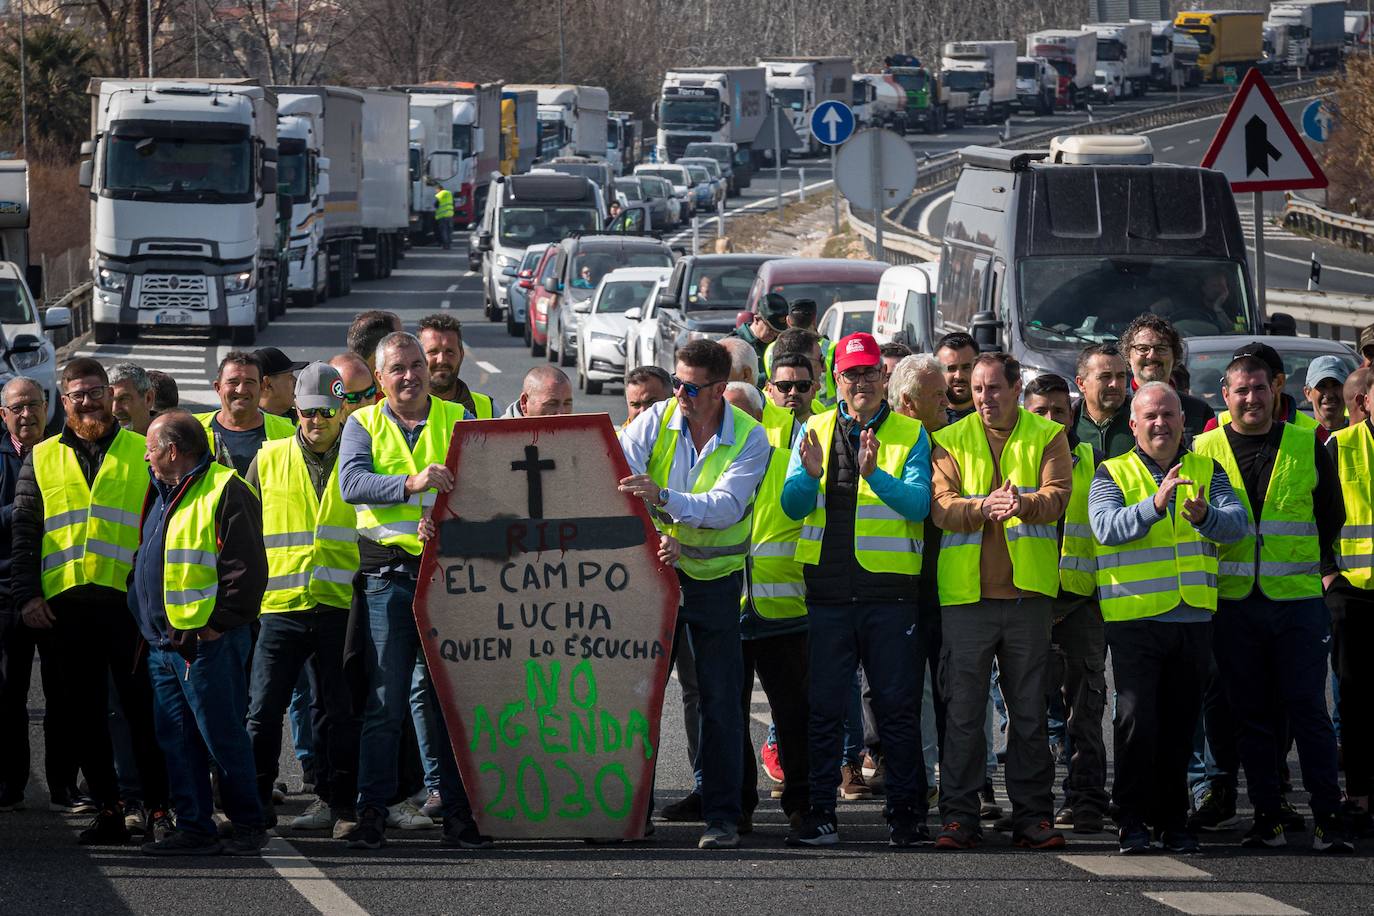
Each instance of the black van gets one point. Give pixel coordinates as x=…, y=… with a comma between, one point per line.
x=1045, y=252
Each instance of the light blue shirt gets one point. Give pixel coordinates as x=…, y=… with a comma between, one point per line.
x=726, y=502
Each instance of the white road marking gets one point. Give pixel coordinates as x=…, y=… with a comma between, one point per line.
x=308, y=881
x=452, y=289
x=470, y=273
x=444, y=304
x=1306, y=262
x=140, y=355
x=425, y=272
x=1113, y=866
x=488, y=367
x=1194, y=140
x=1166, y=149
x=1223, y=903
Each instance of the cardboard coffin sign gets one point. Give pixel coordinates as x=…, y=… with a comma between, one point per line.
x=547, y=621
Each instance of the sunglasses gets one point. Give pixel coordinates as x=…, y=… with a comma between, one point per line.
x=357, y=397
x=801, y=387
x=691, y=389
x=311, y=412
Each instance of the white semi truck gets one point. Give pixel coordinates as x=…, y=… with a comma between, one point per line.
x=572, y=119
x=799, y=84
x=185, y=227
x=712, y=105
x=303, y=177
x=986, y=70
x=1123, y=53
x=434, y=161
x=383, y=195
x=1315, y=31
x=1074, y=56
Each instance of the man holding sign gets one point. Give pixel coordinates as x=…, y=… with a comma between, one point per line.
x=391, y=468
x=697, y=462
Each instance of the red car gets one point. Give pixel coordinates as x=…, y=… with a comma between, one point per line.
x=541, y=301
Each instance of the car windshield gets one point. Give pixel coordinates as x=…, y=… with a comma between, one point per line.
x=15, y=307
x=672, y=176
x=696, y=111
x=711, y=166
x=856, y=322
x=192, y=169
x=826, y=293
x=723, y=286
x=794, y=99
x=524, y=226
x=656, y=187
x=720, y=154
x=1066, y=301
x=967, y=80
x=1206, y=369
x=618, y=298
x=698, y=173
x=631, y=190
x=590, y=266
x=531, y=259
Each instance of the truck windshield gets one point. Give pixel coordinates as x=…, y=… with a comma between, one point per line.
x=911, y=82
x=794, y=99
x=693, y=111
x=826, y=293
x=1067, y=300
x=462, y=139
x=1161, y=44
x=189, y=168
x=968, y=80
x=1203, y=36
x=1064, y=68
x=15, y=307
x=524, y=226
x=1110, y=49
x=1027, y=70
x=293, y=171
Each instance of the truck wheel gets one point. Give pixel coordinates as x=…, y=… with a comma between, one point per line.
x=593, y=386
x=243, y=335
x=348, y=264
x=105, y=332
x=263, y=315
x=334, y=285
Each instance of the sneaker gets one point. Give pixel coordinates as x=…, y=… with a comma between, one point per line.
x=1330, y=835
x=1133, y=838
x=345, y=822
x=1063, y=817
x=279, y=793
x=1292, y=820
x=11, y=801
x=316, y=817
x=685, y=810
x=1179, y=842
x=990, y=810
x=906, y=828
x=71, y=801
x=405, y=816
x=433, y=806
x=1267, y=833
x=246, y=841
x=183, y=843
x=853, y=786
x=224, y=828
x=105, y=829
x=370, y=832
x=160, y=825
x=817, y=828
x=1087, y=819
x=1038, y=836
x=772, y=764
x=1217, y=811
x=718, y=835
x=955, y=835
x=462, y=832
x=135, y=818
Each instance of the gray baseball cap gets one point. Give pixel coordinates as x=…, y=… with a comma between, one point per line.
x=319, y=385
x=1327, y=366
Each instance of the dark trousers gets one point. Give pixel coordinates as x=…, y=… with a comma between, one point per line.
x=286, y=642
x=97, y=639
x=1080, y=666
x=1352, y=635
x=709, y=618
x=781, y=664
x=1160, y=670
x=16, y=670
x=1263, y=646
x=444, y=229
x=926, y=647
x=1220, y=754
x=877, y=635
x=1015, y=632
x=200, y=720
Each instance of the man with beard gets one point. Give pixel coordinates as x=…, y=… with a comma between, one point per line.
x=1153, y=348
x=132, y=390
x=239, y=428
x=441, y=336
x=1104, y=420
x=76, y=511
x=956, y=352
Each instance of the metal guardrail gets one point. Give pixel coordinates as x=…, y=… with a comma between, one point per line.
x=1336, y=316
x=1349, y=231
x=78, y=299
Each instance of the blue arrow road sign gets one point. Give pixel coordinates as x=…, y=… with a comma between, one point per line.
x=1316, y=121
x=832, y=122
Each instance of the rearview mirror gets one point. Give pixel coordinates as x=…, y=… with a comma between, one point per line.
x=58, y=316
x=986, y=330
x=634, y=314
x=27, y=343
x=582, y=305
x=667, y=301
x=484, y=241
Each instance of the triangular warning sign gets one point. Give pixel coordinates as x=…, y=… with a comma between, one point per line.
x=1257, y=147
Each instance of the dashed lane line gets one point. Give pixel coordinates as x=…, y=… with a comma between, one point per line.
x=308, y=881
x=1223, y=903
x=445, y=303
x=488, y=367
x=1130, y=867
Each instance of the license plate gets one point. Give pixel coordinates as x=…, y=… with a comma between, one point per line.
x=172, y=316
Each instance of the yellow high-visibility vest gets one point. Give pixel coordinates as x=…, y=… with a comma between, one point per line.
x=775, y=579
x=1077, y=568
x=1354, y=465
x=190, y=566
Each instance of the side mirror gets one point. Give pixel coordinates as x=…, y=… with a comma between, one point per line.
x=269, y=175
x=667, y=301
x=508, y=272
x=582, y=306
x=88, y=147
x=322, y=184
x=85, y=174
x=27, y=343
x=322, y=163
x=484, y=241
x=58, y=316
x=986, y=330
x=550, y=284
x=634, y=314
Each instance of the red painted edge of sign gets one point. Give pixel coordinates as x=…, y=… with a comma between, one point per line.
x=1254, y=81
x=477, y=431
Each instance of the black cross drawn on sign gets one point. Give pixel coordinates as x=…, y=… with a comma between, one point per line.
x=533, y=468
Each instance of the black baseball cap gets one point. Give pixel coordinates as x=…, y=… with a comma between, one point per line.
x=803, y=307
x=275, y=362
x=773, y=308
x=1262, y=352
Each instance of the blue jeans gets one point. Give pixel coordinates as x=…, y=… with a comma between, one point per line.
x=878, y=636
x=423, y=715
x=391, y=653
x=710, y=617
x=199, y=713
x=302, y=728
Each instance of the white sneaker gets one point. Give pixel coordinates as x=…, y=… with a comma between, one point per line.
x=316, y=817
x=405, y=816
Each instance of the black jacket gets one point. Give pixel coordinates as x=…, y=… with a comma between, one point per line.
x=10, y=463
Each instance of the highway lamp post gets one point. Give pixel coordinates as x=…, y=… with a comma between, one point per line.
x=150, y=38
x=777, y=150
x=23, y=85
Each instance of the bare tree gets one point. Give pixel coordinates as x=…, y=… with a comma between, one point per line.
x=281, y=42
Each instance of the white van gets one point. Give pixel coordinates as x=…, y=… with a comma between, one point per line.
x=906, y=311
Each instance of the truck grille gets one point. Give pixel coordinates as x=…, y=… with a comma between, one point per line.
x=174, y=301
x=179, y=283
x=174, y=291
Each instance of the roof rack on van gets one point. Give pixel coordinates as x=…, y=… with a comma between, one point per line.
x=1006, y=160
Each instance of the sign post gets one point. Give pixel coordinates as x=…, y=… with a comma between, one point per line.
x=547, y=621
x=1258, y=149
x=832, y=123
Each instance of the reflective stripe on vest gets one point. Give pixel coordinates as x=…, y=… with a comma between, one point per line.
x=190, y=574
x=884, y=540
x=398, y=525
x=90, y=533
x=312, y=544
x=1354, y=466
x=274, y=426
x=776, y=583
x=1076, y=567
x=1034, y=551
x=1285, y=546
x=1172, y=563
x=707, y=553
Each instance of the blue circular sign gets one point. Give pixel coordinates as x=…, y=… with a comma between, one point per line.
x=832, y=123
x=1317, y=121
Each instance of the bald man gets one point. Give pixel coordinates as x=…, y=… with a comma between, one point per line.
x=360, y=387
x=546, y=392
x=1355, y=393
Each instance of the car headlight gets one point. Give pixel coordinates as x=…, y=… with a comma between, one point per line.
x=614, y=338
x=240, y=282
x=112, y=280
x=29, y=359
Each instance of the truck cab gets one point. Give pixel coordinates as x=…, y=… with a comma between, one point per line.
x=303, y=177
x=1045, y=251
x=1037, y=85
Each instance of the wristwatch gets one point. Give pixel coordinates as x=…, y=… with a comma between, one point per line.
x=663, y=497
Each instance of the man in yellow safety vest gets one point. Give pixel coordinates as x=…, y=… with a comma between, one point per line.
x=443, y=217
x=239, y=428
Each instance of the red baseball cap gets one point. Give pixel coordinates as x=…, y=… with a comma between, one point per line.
x=857, y=350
